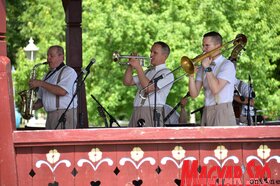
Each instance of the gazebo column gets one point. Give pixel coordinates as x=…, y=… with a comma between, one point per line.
x=8, y=168
x=73, y=13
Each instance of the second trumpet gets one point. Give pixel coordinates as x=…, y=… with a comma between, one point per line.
x=117, y=57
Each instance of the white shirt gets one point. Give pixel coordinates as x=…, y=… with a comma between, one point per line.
x=224, y=69
x=164, y=85
x=66, y=82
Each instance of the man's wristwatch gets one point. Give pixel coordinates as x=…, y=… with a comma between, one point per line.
x=208, y=69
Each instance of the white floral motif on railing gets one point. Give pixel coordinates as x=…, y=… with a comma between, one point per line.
x=263, y=153
x=95, y=155
x=137, y=154
x=221, y=154
x=178, y=154
x=52, y=157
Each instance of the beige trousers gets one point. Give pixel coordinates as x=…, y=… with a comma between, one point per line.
x=218, y=115
x=53, y=118
x=144, y=117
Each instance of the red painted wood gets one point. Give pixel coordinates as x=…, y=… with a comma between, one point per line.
x=119, y=154
x=3, y=47
x=146, y=172
x=24, y=161
x=172, y=165
x=273, y=164
x=157, y=144
x=260, y=160
x=221, y=156
x=7, y=115
x=147, y=135
x=95, y=169
x=128, y=171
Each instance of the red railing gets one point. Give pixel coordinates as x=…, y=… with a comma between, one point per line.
x=145, y=156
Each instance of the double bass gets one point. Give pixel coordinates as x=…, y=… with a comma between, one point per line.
x=237, y=107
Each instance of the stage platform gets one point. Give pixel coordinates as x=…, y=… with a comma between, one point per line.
x=144, y=156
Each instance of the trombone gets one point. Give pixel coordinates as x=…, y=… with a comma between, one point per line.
x=116, y=56
x=188, y=64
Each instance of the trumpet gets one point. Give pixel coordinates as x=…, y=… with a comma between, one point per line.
x=188, y=64
x=117, y=57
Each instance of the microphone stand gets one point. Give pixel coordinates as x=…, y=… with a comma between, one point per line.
x=62, y=118
x=174, y=109
x=156, y=117
x=112, y=119
x=103, y=115
x=200, y=111
x=249, y=99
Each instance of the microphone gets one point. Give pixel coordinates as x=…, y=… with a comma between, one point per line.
x=159, y=78
x=239, y=94
x=87, y=69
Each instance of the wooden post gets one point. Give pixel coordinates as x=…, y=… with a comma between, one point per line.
x=73, y=12
x=8, y=170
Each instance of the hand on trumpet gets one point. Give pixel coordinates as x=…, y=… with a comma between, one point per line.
x=134, y=62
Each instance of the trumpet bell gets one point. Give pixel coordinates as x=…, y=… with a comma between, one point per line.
x=187, y=65
x=116, y=56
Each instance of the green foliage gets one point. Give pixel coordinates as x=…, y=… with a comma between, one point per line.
x=128, y=26
x=42, y=20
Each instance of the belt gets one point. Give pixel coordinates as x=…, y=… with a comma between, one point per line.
x=214, y=107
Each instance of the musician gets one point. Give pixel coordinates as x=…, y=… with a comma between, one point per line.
x=56, y=90
x=143, y=113
x=241, y=96
x=176, y=118
x=217, y=77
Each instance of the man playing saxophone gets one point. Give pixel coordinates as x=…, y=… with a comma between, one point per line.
x=56, y=91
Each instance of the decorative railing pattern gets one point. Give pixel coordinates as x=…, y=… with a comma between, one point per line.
x=146, y=157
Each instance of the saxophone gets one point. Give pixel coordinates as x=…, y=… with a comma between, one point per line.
x=28, y=96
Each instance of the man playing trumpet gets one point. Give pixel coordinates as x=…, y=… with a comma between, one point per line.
x=144, y=114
